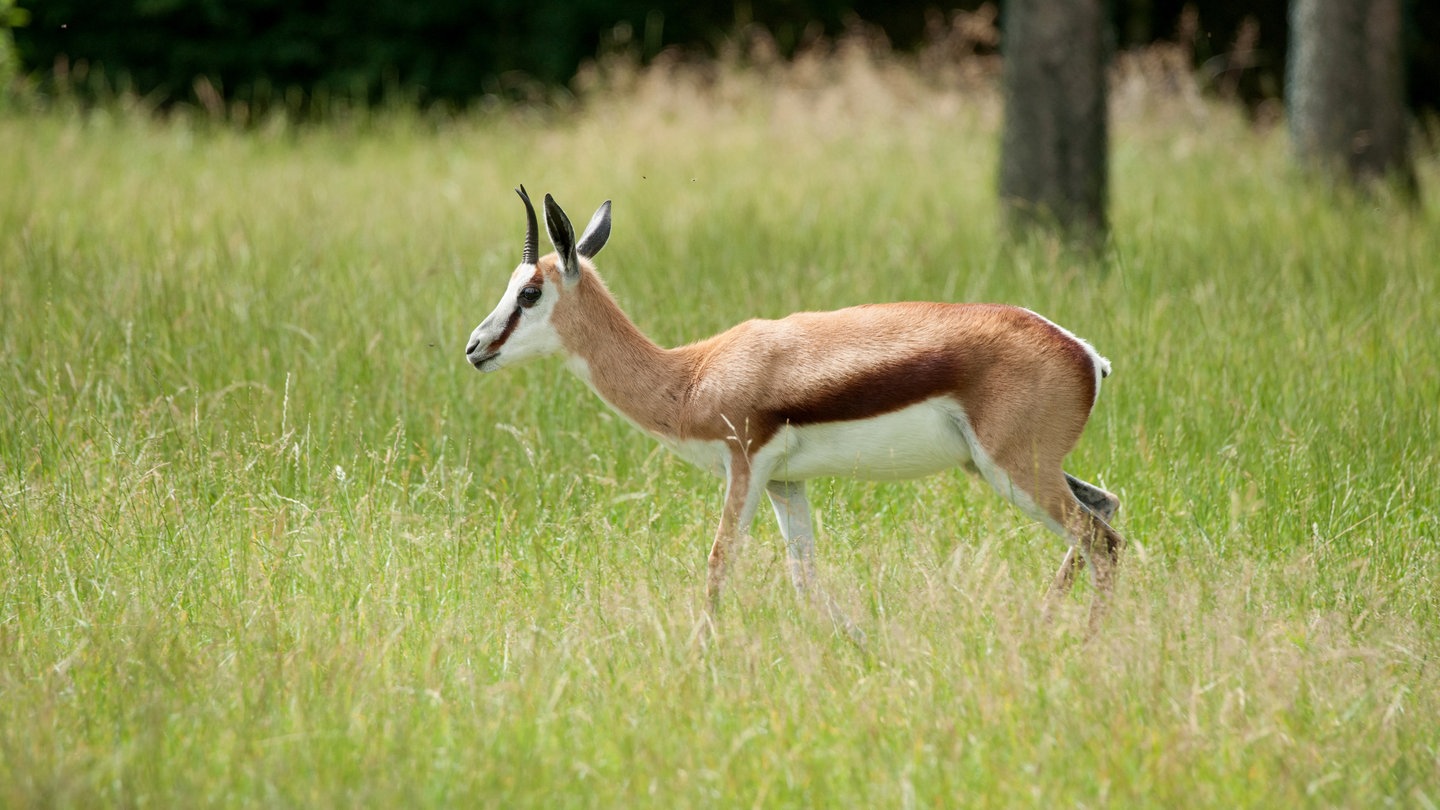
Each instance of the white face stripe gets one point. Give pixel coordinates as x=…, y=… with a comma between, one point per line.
x=512, y=332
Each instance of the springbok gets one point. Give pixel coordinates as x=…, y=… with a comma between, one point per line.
x=881, y=391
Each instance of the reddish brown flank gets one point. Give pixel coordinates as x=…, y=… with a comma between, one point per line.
x=1074, y=352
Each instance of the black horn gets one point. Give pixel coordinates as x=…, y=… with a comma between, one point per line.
x=532, y=233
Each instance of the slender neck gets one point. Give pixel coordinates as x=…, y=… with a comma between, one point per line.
x=636, y=377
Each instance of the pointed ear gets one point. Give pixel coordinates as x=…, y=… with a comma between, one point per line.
x=562, y=236
x=596, y=233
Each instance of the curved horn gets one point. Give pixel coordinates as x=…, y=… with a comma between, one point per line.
x=532, y=233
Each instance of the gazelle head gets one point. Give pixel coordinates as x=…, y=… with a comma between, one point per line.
x=522, y=326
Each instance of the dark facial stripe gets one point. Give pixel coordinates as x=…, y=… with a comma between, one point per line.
x=510, y=325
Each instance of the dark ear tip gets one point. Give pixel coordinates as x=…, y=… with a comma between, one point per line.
x=553, y=211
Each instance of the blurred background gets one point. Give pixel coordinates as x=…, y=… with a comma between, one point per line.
x=460, y=52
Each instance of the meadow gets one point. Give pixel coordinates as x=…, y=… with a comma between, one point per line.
x=267, y=540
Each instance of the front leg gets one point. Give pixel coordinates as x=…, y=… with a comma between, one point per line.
x=792, y=510
x=742, y=496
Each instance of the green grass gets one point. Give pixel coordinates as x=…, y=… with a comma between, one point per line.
x=266, y=539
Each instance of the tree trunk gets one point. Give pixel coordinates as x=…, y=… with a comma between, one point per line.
x=1345, y=91
x=1054, y=150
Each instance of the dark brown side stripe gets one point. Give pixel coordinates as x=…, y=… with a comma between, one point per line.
x=882, y=390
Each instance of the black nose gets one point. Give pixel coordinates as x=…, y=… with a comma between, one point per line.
x=471, y=348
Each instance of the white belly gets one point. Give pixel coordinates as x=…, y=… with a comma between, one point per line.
x=909, y=443
x=912, y=442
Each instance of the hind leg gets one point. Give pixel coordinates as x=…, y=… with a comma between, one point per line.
x=1050, y=498
x=1097, y=500
x=1101, y=545
x=1092, y=540
x=1064, y=578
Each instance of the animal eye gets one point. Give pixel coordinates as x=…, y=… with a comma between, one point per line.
x=529, y=295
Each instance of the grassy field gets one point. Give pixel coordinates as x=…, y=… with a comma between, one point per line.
x=267, y=539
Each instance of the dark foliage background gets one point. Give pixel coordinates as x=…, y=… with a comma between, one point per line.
x=460, y=50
